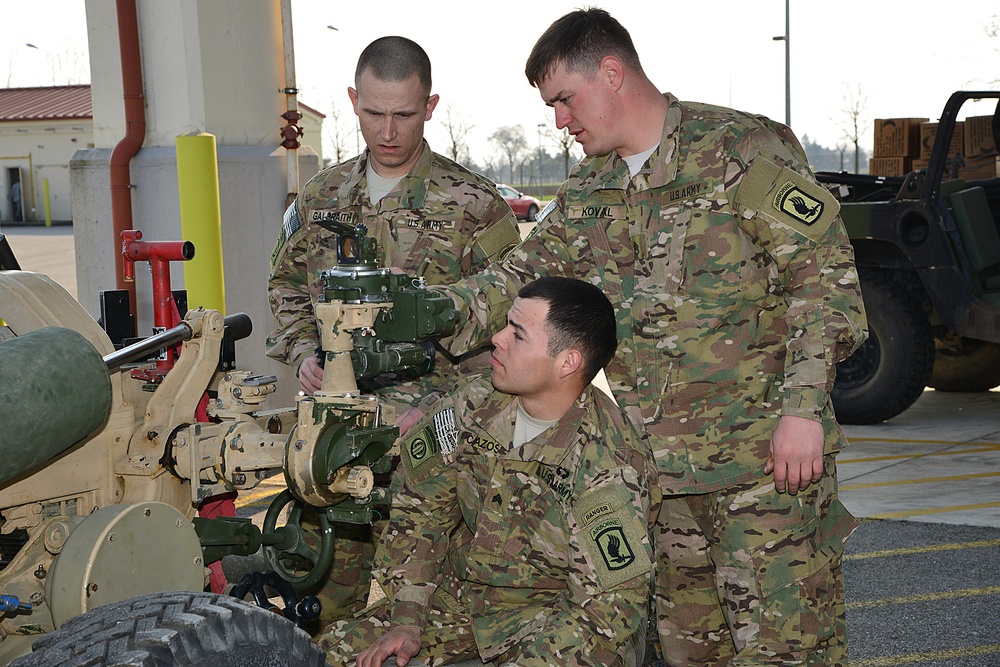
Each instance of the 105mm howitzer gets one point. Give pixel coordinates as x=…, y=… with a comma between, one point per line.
x=101, y=478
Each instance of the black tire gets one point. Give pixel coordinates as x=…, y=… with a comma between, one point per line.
x=965, y=365
x=887, y=374
x=532, y=213
x=177, y=629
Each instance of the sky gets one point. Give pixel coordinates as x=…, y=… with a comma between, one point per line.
x=903, y=61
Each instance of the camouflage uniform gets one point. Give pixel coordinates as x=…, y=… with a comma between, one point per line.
x=441, y=222
x=531, y=555
x=736, y=294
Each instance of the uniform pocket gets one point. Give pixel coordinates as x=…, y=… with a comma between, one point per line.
x=800, y=586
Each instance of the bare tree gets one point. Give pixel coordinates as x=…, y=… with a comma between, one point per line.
x=458, y=133
x=511, y=142
x=333, y=128
x=566, y=144
x=855, y=123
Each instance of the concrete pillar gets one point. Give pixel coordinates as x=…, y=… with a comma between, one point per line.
x=213, y=67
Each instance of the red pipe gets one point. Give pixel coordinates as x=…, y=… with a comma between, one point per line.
x=135, y=134
x=159, y=254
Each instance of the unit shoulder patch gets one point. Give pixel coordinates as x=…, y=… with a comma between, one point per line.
x=797, y=203
x=612, y=534
x=432, y=445
x=418, y=454
x=787, y=197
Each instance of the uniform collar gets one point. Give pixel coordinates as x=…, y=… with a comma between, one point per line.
x=409, y=193
x=552, y=445
x=610, y=171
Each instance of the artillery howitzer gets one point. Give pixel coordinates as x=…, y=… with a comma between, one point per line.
x=102, y=473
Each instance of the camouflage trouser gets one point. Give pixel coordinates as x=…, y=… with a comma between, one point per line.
x=748, y=576
x=446, y=639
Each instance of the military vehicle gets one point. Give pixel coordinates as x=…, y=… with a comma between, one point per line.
x=928, y=255
x=104, y=463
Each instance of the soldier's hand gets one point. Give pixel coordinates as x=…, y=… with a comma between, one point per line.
x=310, y=374
x=409, y=418
x=796, y=454
x=402, y=641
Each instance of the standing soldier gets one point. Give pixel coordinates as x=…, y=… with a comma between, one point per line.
x=736, y=294
x=430, y=216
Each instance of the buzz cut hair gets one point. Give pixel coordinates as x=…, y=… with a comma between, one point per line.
x=580, y=316
x=579, y=41
x=395, y=59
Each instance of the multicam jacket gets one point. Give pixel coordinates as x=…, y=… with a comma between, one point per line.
x=733, y=281
x=546, y=543
x=442, y=222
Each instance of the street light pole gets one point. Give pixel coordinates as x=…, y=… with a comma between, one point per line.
x=787, y=38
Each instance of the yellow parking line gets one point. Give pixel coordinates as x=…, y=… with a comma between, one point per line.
x=906, y=551
x=925, y=597
x=975, y=449
x=903, y=441
x=934, y=510
x=931, y=656
x=922, y=480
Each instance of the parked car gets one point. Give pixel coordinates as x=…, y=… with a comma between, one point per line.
x=525, y=207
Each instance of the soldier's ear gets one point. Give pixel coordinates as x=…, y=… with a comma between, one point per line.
x=569, y=361
x=432, y=103
x=613, y=71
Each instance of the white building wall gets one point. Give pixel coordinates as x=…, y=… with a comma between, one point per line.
x=41, y=150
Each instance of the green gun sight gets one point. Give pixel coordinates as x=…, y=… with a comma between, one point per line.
x=399, y=339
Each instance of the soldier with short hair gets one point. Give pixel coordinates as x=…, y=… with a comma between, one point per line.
x=518, y=532
x=430, y=216
x=736, y=294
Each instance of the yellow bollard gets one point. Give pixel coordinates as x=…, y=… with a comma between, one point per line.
x=201, y=220
x=48, y=205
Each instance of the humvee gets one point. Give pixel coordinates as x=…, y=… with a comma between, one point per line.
x=927, y=249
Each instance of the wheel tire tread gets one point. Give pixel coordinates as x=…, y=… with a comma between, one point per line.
x=179, y=629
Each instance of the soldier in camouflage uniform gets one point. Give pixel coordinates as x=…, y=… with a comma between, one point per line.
x=736, y=294
x=430, y=216
x=518, y=532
